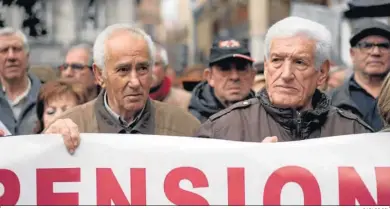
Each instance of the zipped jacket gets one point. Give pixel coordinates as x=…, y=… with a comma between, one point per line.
x=255, y=119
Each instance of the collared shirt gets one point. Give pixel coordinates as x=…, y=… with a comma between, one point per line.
x=18, y=103
x=367, y=104
x=120, y=119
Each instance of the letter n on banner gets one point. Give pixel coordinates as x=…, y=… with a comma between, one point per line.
x=108, y=188
x=352, y=187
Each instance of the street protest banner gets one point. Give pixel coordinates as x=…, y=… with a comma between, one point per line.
x=162, y=170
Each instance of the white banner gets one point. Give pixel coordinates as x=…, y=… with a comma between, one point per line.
x=161, y=170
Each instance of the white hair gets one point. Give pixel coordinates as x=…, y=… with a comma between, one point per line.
x=99, y=49
x=163, y=54
x=87, y=47
x=294, y=26
x=7, y=31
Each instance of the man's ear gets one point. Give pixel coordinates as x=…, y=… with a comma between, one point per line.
x=99, y=77
x=324, y=73
x=207, y=74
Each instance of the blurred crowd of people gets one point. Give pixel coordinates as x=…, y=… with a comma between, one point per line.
x=123, y=83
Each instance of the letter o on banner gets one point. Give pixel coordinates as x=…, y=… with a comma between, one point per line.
x=295, y=174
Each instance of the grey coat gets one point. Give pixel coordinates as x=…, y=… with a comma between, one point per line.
x=26, y=122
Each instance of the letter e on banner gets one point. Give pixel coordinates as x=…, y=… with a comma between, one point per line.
x=180, y=196
x=282, y=176
x=352, y=187
x=45, y=179
x=11, y=186
x=108, y=188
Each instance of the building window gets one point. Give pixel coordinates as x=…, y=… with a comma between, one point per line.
x=92, y=19
x=33, y=17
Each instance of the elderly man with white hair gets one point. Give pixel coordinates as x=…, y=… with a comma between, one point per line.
x=290, y=107
x=18, y=88
x=162, y=89
x=123, y=61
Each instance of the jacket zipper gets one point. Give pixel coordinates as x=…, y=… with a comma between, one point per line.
x=299, y=124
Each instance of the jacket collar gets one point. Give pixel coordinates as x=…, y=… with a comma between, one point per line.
x=301, y=124
x=107, y=123
x=343, y=96
x=32, y=95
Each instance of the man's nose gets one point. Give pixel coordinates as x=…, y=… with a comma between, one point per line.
x=287, y=71
x=234, y=74
x=11, y=56
x=134, y=79
x=376, y=51
x=68, y=72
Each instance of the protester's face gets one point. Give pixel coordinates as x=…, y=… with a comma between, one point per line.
x=76, y=68
x=55, y=106
x=128, y=71
x=158, y=71
x=231, y=79
x=291, y=75
x=369, y=59
x=13, y=57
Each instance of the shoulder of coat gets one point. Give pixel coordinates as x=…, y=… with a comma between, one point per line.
x=237, y=106
x=349, y=115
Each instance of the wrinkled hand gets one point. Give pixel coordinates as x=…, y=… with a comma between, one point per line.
x=270, y=139
x=69, y=131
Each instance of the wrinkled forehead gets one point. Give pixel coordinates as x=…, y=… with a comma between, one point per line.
x=293, y=46
x=10, y=40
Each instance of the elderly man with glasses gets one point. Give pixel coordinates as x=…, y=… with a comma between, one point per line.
x=78, y=67
x=370, y=47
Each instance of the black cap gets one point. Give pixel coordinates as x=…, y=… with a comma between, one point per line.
x=224, y=48
x=368, y=27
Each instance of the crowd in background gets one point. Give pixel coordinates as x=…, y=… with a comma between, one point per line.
x=123, y=83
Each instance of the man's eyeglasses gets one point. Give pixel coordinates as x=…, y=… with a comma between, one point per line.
x=73, y=66
x=368, y=47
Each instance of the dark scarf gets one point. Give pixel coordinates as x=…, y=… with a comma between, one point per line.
x=161, y=91
x=301, y=124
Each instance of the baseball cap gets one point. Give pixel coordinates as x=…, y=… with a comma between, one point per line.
x=224, y=48
x=368, y=27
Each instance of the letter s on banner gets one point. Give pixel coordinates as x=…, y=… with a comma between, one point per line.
x=46, y=178
x=180, y=196
x=11, y=184
x=282, y=176
x=352, y=187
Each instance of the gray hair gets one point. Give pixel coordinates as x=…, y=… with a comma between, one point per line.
x=293, y=26
x=163, y=53
x=86, y=46
x=7, y=31
x=99, y=49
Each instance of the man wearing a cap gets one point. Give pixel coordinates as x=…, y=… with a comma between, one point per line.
x=290, y=107
x=229, y=77
x=370, y=53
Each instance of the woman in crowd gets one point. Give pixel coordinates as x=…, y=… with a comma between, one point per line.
x=54, y=98
x=384, y=103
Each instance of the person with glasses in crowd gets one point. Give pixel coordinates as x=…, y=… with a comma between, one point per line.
x=230, y=77
x=370, y=47
x=78, y=67
x=290, y=107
